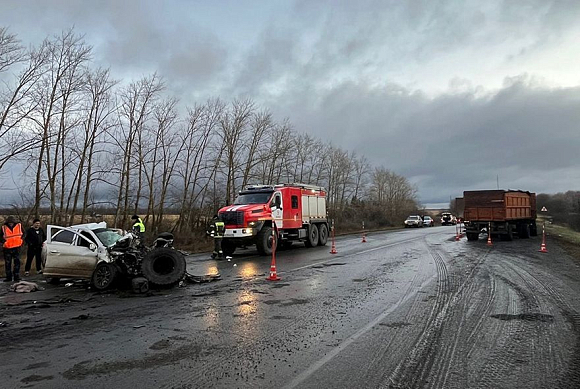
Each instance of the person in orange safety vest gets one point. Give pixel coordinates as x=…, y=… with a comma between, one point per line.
x=11, y=239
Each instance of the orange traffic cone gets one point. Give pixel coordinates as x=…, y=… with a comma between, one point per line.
x=489, y=235
x=333, y=247
x=273, y=273
x=543, y=248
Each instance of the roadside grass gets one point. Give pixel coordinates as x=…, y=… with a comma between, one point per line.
x=564, y=235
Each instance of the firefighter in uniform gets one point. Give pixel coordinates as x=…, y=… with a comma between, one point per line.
x=11, y=236
x=216, y=229
x=138, y=227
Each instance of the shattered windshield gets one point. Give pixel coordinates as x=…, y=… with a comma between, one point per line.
x=253, y=198
x=107, y=237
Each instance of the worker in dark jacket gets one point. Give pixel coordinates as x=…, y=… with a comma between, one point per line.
x=216, y=229
x=11, y=239
x=34, y=238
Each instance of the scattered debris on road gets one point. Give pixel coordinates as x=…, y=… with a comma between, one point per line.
x=25, y=287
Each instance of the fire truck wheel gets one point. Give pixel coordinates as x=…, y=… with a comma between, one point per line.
x=227, y=247
x=264, y=241
x=322, y=234
x=312, y=236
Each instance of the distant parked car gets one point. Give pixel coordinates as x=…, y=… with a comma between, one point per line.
x=448, y=219
x=414, y=221
x=428, y=221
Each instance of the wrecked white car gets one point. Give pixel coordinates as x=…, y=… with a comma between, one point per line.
x=106, y=255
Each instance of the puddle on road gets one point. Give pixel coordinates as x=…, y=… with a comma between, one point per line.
x=328, y=265
x=525, y=316
x=161, y=345
x=295, y=302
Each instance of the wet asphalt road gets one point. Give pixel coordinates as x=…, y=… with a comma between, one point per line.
x=407, y=309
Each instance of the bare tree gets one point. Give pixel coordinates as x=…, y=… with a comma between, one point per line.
x=393, y=193
x=234, y=124
x=16, y=102
x=66, y=55
x=136, y=103
x=98, y=90
x=200, y=158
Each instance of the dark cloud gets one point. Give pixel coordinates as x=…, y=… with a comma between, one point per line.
x=454, y=142
x=447, y=93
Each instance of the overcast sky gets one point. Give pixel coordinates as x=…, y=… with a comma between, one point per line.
x=451, y=94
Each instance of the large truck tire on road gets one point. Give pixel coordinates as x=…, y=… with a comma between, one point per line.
x=507, y=212
x=285, y=212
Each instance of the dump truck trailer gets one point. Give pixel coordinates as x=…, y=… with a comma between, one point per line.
x=506, y=212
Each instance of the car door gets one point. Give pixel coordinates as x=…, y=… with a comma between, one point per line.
x=277, y=211
x=69, y=254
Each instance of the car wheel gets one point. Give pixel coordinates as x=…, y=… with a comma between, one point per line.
x=163, y=266
x=104, y=276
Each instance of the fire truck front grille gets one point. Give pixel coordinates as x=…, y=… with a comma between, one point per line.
x=233, y=218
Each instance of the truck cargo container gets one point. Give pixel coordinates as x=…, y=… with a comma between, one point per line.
x=459, y=207
x=294, y=212
x=508, y=212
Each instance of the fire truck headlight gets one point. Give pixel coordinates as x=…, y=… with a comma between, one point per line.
x=251, y=224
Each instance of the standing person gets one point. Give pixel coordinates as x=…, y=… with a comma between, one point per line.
x=138, y=227
x=11, y=236
x=34, y=238
x=216, y=229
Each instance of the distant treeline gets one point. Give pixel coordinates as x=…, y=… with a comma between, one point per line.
x=563, y=208
x=87, y=144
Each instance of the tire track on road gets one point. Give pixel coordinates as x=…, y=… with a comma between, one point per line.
x=571, y=378
x=414, y=370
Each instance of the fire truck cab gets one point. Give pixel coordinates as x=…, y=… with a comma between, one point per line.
x=285, y=212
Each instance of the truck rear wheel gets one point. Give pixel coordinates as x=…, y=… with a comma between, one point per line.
x=534, y=229
x=322, y=234
x=510, y=234
x=264, y=241
x=312, y=239
x=472, y=236
x=524, y=231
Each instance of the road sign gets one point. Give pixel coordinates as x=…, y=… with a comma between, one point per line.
x=544, y=209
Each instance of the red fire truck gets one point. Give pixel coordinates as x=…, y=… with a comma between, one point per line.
x=298, y=211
